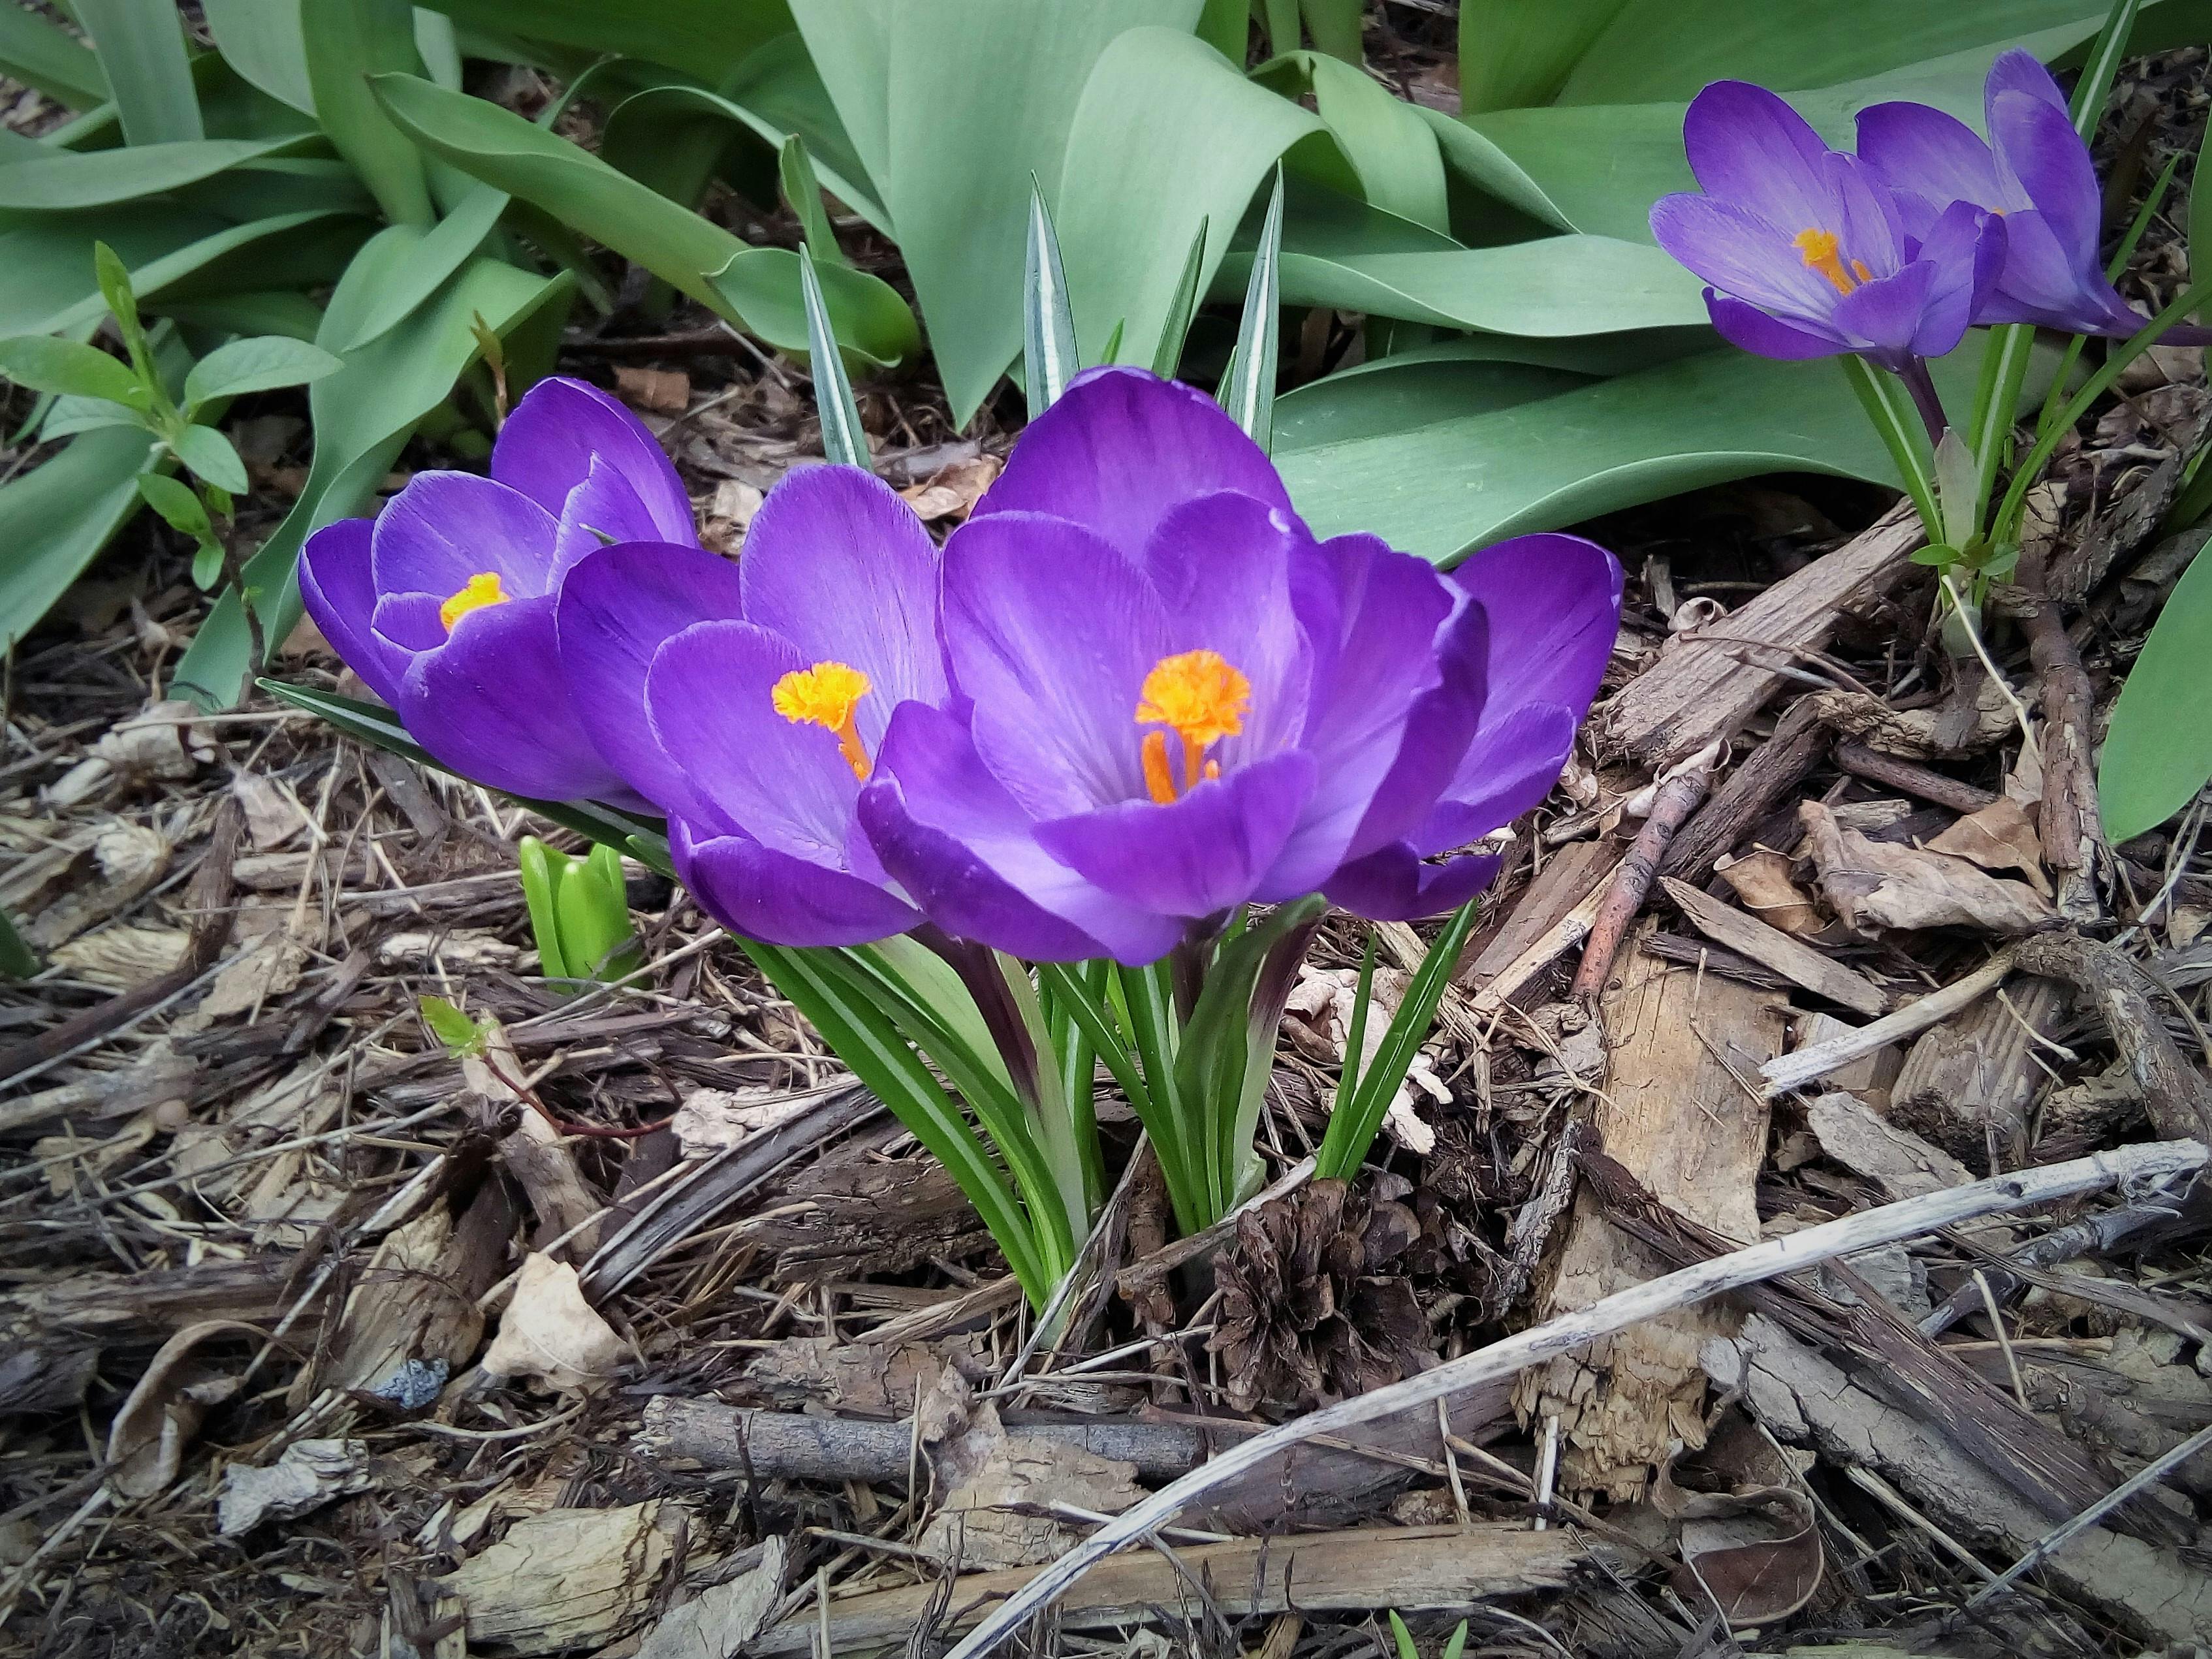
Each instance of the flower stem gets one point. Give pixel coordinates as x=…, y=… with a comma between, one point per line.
x=1925, y=398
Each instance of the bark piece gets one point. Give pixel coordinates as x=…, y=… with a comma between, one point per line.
x=1861, y=1139
x=1702, y=690
x=1806, y=1401
x=1972, y=1080
x=1751, y=791
x=719, y=1622
x=989, y=1483
x=1409, y=1568
x=1876, y=885
x=1678, y=1112
x=1800, y=963
x=2175, y=1094
x=1552, y=914
x=2067, y=819
x=1894, y=773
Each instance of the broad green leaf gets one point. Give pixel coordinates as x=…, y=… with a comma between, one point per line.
x=1512, y=54
x=55, y=517
x=849, y=42
x=140, y=44
x=61, y=181
x=2158, y=752
x=843, y=441
x=69, y=415
x=257, y=365
x=263, y=41
x=1334, y=26
x=1391, y=151
x=981, y=96
x=210, y=457
x=272, y=311
x=1048, y=356
x=177, y=502
x=45, y=57
x=705, y=38
x=802, y=192
x=1459, y=480
x=1167, y=136
x=363, y=415
x=1397, y=393
x=534, y=863
x=283, y=184
x=1226, y=26
x=2200, y=209
x=42, y=363
x=354, y=42
x=444, y=251
x=757, y=287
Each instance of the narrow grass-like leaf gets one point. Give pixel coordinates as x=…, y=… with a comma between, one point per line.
x=1084, y=1000
x=1049, y=353
x=1402, y=1637
x=140, y=44
x=1355, y=1041
x=1149, y=1002
x=45, y=57
x=794, y=171
x=1167, y=357
x=2095, y=84
x=1344, y=1145
x=17, y=959
x=535, y=868
x=1248, y=387
x=843, y=441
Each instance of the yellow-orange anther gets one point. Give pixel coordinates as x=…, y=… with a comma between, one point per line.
x=481, y=590
x=825, y=695
x=1819, y=249
x=1199, y=697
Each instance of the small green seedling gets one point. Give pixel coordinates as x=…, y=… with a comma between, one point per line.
x=578, y=912
x=1456, y=1646
x=463, y=1037
x=93, y=389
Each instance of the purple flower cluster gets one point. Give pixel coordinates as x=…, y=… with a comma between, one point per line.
x=1893, y=252
x=1133, y=692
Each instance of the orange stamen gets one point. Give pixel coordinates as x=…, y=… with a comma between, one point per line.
x=826, y=695
x=1199, y=697
x=1159, y=778
x=1819, y=249
x=479, y=591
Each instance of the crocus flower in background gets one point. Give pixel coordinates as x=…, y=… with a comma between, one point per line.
x=444, y=604
x=751, y=703
x=1176, y=700
x=2035, y=171
x=1807, y=253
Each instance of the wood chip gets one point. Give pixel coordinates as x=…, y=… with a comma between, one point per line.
x=1795, y=961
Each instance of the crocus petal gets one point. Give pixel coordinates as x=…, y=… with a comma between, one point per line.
x=1195, y=857
x=2038, y=146
x=1749, y=329
x=446, y=527
x=1869, y=228
x=2020, y=71
x=1965, y=249
x=1937, y=156
x=1373, y=614
x=409, y=622
x=336, y=587
x=1554, y=607
x=615, y=608
x=1221, y=565
x=959, y=844
x=605, y=507
x=1395, y=885
x=762, y=894
x=1749, y=147
x=492, y=703
x=1743, y=254
x=840, y=566
x=1510, y=767
x=1121, y=449
x=548, y=445
x=1883, y=319
x=1051, y=631
x=743, y=767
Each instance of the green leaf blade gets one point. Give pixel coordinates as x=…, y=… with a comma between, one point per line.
x=259, y=364
x=69, y=368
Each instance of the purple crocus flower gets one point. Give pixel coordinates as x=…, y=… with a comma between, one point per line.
x=2035, y=171
x=444, y=605
x=750, y=701
x=1174, y=700
x=1807, y=253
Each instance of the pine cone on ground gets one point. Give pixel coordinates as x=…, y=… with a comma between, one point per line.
x=1309, y=1312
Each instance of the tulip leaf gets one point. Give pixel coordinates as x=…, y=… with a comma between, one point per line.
x=844, y=442
x=1391, y=152
x=2158, y=753
x=705, y=38
x=263, y=41
x=1167, y=136
x=56, y=516
x=47, y=57
x=261, y=363
x=141, y=43
x=363, y=415
x=63, y=181
x=40, y=363
x=1512, y=54
x=354, y=43
x=756, y=287
x=1167, y=357
x=1248, y=384
x=1049, y=354
x=449, y=246
x=954, y=105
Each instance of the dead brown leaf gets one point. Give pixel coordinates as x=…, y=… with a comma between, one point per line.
x=1761, y=879
x=661, y=391
x=2001, y=836
x=550, y=1333
x=1876, y=885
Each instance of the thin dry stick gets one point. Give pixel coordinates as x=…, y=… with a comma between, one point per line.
x=1678, y=795
x=2129, y=1167
x=1793, y=1071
